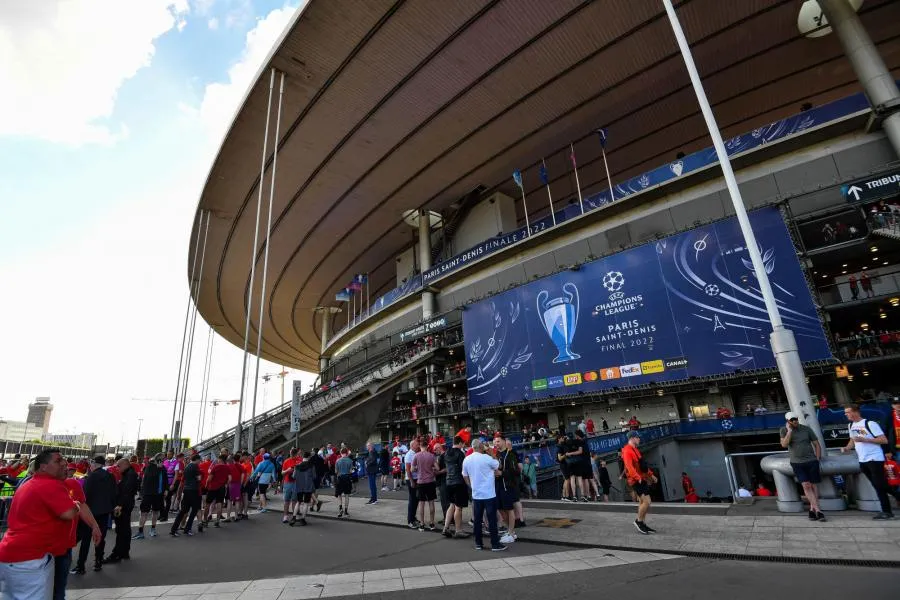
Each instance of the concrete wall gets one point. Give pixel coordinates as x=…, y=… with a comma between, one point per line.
x=704, y=462
x=406, y=263
x=667, y=458
x=493, y=215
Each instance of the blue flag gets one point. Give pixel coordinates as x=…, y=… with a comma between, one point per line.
x=543, y=173
x=361, y=278
x=343, y=296
x=517, y=177
x=602, y=132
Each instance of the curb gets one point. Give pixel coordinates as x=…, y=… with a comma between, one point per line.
x=803, y=560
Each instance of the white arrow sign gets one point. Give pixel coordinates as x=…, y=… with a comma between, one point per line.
x=855, y=191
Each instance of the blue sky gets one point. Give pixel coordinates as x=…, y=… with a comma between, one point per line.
x=117, y=110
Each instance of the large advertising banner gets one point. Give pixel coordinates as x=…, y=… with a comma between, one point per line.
x=683, y=306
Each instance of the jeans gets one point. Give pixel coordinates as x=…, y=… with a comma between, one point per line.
x=479, y=507
x=190, y=505
x=28, y=580
x=874, y=471
x=373, y=488
x=61, y=565
x=442, y=495
x=84, y=538
x=413, y=504
x=122, y=548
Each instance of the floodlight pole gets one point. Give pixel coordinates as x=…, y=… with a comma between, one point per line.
x=784, y=345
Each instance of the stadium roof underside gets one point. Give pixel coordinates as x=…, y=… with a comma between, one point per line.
x=391, y=105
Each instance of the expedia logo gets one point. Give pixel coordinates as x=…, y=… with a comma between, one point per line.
x=676, y=363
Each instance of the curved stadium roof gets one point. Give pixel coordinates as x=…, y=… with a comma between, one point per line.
x=393, y=105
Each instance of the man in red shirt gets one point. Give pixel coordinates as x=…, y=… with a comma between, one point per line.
x=217, y=488
x=763, y=491
x=640, y=478
x=40, y=519
x=590, y=426
x=893, y=433
x=289, y=491
x=466, y=434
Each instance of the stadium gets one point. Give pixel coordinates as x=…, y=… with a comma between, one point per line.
x=507, y=214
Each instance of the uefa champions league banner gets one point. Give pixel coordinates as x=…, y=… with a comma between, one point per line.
x=683, y=306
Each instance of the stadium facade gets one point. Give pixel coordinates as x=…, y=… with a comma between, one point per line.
x=507, y=213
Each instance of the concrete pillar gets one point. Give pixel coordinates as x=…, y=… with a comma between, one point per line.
x=431, y=395
x=841, y=393
x=326, y=312
x=425, y=260
x=870, y=69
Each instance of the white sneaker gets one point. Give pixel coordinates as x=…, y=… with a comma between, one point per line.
x=507, y=539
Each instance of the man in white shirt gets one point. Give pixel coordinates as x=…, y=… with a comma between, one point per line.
x=480, y=472
x=866, y=437
x=744, y=492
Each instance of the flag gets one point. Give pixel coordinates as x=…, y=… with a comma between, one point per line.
x=517, y=177
x=355, y=285
x=572, y=156
x=603, y=133
x=343, y=295
x=361, y=278
x=543, y=173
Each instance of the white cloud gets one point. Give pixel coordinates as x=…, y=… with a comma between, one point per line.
x=213, y=23
x=221, y=100
x=64, y=61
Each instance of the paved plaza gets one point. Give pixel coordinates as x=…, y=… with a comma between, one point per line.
x=262, y=559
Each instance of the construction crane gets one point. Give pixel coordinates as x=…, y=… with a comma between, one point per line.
x=268, y=376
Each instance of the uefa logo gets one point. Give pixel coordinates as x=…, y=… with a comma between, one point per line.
x=614, y=281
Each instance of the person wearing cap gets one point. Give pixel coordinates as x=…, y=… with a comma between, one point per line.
x=805, y=454
x=100, y=495
x=640, y=478
x=264, y=475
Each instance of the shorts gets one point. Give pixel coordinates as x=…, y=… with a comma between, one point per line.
x=214, y=496
x=343, y=485
x=506, y=498
x=263, y=488
x=581, y=469
x=606, y=487
x=565, y=469
x=807, y=472
x=154, y=503
x=304, y=497
x=234, y=492
x=289, y=491
x=458, y=495
x=426, y=492
x=641, y=488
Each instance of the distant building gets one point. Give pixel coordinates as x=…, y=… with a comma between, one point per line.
x=19, y=431
x=39, y=413
x=76, y=440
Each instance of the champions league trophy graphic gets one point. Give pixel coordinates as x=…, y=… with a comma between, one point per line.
x=560, y=318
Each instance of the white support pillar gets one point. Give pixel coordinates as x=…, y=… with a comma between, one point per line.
x=425, y=260
x=868, y=65
x=326, y=312
x=784, y=345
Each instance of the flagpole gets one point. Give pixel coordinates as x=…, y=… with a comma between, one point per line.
x=547, y=183
x=348, y=318
x=612, y=196
x=577, y=183
x=368, y=307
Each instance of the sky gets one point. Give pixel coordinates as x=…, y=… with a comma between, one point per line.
x=110, y=117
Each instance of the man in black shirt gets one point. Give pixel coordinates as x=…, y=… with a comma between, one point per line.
x=562, y=449
x=190, y=499
x=125, y=492
x=100, y=495
x=457, y=490
x=579, y=468
x=605, y=481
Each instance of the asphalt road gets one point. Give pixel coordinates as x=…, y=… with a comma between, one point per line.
x=263, y=547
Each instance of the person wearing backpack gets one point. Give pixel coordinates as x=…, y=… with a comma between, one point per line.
x=866, y=438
